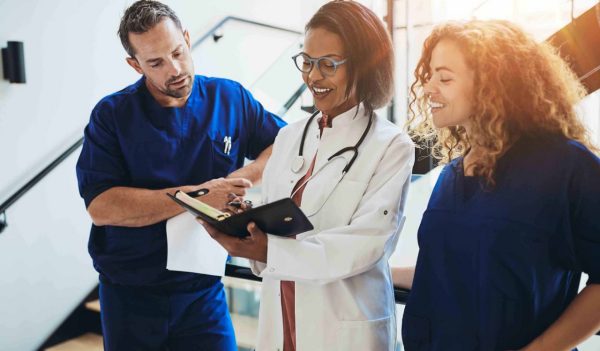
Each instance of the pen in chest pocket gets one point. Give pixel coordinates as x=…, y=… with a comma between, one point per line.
x=227, y=147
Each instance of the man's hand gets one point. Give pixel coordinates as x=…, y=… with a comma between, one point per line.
x=135, y=207
x=253, y=247
x=220, y=189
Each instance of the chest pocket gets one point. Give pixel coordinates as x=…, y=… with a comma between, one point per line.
x=225, y=150
x=340, y=202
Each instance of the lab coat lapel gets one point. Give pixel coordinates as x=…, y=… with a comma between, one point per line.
x=345, y=131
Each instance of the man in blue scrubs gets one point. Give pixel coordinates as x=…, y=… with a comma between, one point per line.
x=171, y=130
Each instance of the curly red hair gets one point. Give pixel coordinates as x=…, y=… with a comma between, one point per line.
x=520, y=87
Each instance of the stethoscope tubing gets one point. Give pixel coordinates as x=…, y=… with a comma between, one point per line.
x=297, y=166
x=354, y=148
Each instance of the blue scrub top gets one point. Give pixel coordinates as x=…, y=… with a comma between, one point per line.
x=497, y=268
x=132, y=141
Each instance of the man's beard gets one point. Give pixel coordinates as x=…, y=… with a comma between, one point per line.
x=180, y=92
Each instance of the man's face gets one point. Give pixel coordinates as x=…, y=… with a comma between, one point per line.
x=162, y=54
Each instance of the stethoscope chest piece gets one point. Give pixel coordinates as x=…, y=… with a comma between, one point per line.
x=297, y=164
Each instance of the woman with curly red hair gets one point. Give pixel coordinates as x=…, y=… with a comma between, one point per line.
x=515, y=216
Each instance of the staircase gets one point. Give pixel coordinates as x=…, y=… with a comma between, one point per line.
x=245, y=326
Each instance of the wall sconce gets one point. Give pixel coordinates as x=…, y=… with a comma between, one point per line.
x=13, y=62
x=3, y=223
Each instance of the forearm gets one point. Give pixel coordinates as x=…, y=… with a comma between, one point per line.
x=403, y=276
x=253, y=171
x=579, y=321
x=133, y=207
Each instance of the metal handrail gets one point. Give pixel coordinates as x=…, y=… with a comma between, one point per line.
x=38, y=177
x=212, y=31
x=235, y=271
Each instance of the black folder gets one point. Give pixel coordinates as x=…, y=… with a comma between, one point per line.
x=281, y=218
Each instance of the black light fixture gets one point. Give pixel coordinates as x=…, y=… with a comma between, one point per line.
x=13, y=62
x=217, y=35
x=3, y=223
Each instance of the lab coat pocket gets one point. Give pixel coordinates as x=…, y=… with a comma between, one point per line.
x=375, y=334
x=415, y=332
x=225, y=154
x=339, y=201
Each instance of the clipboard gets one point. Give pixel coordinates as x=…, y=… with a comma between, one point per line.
x=281, y=217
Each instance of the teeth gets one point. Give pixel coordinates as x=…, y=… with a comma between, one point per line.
x=321, y=90
x=433, y=104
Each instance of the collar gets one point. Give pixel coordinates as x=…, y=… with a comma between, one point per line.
x=192, y=98
x=324, y=122
x=349, y=116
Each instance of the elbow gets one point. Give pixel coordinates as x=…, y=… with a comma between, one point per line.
x=99, y=217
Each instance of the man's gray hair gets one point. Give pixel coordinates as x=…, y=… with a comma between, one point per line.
x=142, y=16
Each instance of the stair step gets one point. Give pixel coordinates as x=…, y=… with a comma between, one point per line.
x=87, y=342
x=241, y=284
x=246, y=329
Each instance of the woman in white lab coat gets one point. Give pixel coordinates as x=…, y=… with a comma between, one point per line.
x=330, y=288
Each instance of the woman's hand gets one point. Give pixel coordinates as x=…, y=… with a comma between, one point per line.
x=253, y=247
x=236, y=204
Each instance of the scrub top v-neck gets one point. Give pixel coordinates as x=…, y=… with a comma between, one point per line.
x=498, y=266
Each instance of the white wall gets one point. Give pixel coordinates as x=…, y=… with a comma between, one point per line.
x=589, y=110
x=73, y=58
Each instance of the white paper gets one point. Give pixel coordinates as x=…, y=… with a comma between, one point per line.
x=191, y=249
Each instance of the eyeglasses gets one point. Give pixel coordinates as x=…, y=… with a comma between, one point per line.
x=326, y=65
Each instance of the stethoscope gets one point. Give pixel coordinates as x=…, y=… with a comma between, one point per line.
x=299, y=160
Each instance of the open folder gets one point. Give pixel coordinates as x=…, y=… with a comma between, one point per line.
x=282, y=217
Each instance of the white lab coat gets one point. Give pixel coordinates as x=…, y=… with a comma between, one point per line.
x=344, y=298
